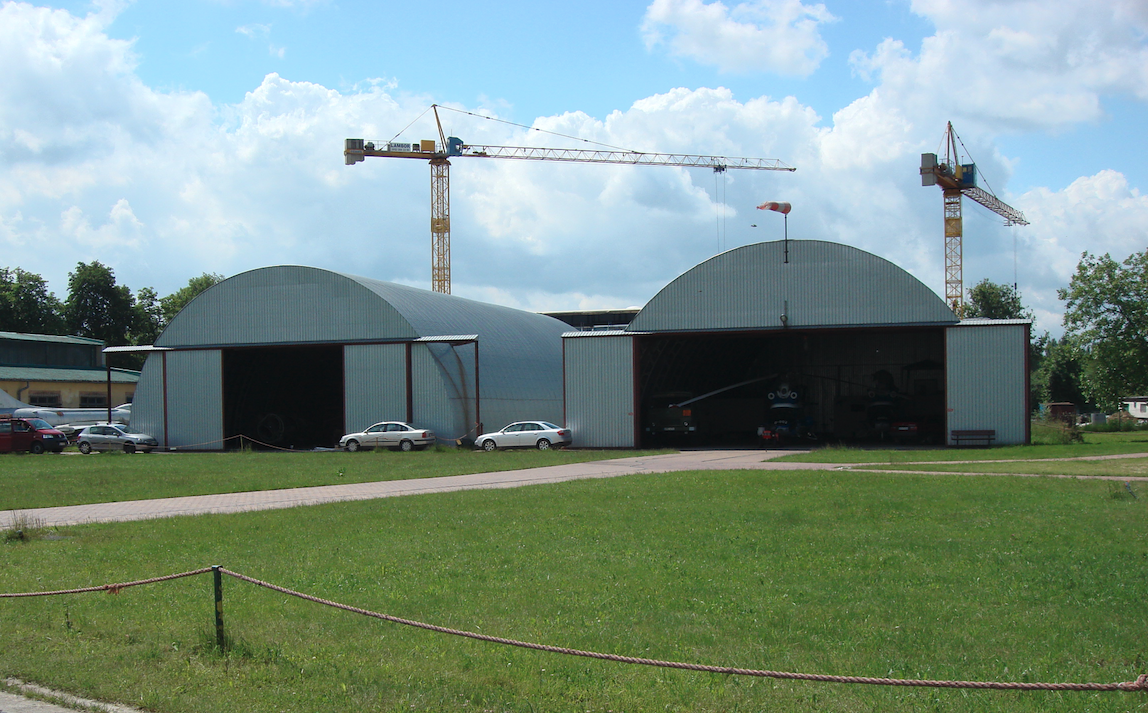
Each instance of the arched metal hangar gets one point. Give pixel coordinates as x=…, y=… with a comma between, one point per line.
x=297, y=356
x=797, y=341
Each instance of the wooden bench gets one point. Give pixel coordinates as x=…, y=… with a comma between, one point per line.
x=986, y=437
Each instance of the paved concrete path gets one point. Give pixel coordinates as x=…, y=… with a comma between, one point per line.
x=295, y=497
x=30, y=702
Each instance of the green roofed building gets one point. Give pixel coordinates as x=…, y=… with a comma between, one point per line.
x=60, y=372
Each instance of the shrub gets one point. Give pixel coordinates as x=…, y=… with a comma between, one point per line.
x=1054, y=432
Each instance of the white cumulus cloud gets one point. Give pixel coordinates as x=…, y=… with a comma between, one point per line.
x=780, y=36
x=165, y=185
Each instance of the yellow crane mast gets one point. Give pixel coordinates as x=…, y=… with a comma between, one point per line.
x=958, y=179
x=438, y=155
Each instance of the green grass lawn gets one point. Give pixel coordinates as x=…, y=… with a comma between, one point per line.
x=1095, y=444
x=851, y=573
x=28, y=481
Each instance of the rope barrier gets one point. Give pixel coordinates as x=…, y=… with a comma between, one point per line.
x=1140, y=684
x=242, y=437
x=113, y=588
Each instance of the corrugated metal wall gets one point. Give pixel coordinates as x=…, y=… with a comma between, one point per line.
x=600, y=407
x=986, y=380
x=194, y=400
x=822, y=285
x=147, y=405
x=375, y=384
x=520, y=352
x=442, y=404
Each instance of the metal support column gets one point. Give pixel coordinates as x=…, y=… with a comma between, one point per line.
x=440, y=225
x=954, y=287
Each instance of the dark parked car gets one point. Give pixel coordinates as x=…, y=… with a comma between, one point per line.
x=34, y=435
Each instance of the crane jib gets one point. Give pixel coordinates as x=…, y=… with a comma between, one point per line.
x=638, y=158
x=439, y=153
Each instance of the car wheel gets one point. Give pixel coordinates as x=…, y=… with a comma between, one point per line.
x=37, y=447
x=406, y=446
x=129, y=448
x=489, y=445
x=352, y=445
x=543, y=444
x=85, y=447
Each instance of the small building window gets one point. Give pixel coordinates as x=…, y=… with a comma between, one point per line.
x=46, y=399
x=90, y=399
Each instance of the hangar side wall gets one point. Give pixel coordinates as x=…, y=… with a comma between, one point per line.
x=599, y=380
x=443, y=384
x=147, y=406
x=987, y=380
x=375, y=384
x=194, y=400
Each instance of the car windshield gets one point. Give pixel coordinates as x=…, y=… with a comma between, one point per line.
x=40, y=424
x=549, y=425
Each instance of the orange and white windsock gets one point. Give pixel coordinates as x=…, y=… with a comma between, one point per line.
x=782, y=208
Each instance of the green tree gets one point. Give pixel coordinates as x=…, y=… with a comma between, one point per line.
x=993, y=301
x=173, y=303
x=1106, y=316
x=1059, y=374
x=26, y=305
x=147, y=317
x=96, y=306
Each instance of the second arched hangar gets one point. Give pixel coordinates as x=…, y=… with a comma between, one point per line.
x=797, y=342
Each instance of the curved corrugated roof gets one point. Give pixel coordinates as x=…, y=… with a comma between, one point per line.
x=292, y=304
x=823, y=284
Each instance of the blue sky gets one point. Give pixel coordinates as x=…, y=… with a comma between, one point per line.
x=170, y=139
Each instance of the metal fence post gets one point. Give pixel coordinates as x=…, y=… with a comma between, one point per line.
x=220, y=638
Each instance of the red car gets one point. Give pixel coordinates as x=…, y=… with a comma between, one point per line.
x=34, y=435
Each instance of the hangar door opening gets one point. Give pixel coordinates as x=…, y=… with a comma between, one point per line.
x=795, y=387
x=287, y=397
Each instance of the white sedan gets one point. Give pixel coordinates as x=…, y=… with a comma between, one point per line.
x=526, y=434
x=389, y=434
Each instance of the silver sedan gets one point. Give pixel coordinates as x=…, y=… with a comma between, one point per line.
x=113, y=437
x=389, y=434
x=526, y=434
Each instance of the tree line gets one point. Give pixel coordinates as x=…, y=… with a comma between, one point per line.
x=1103, y=355
x=95, y=307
